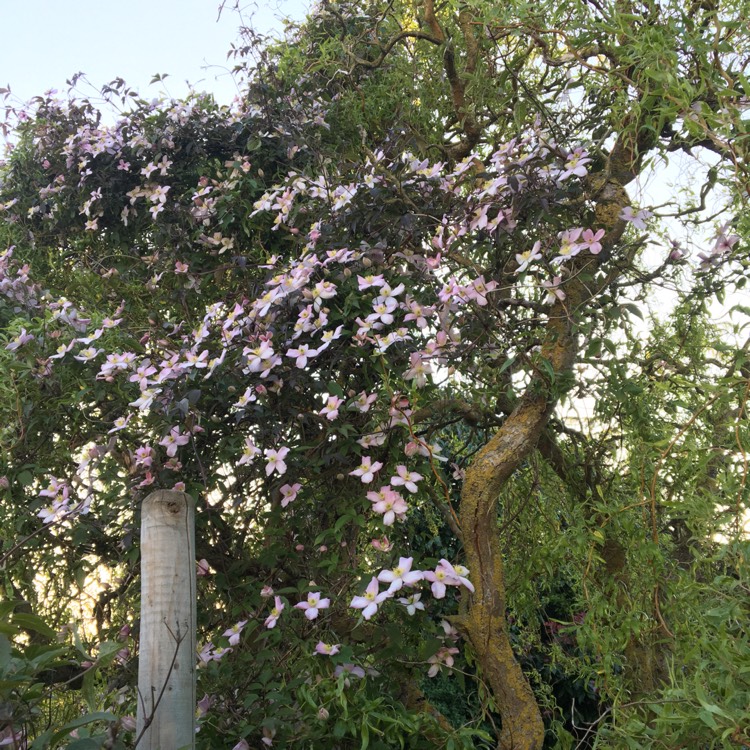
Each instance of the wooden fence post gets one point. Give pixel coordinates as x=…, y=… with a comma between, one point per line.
x=167, y=660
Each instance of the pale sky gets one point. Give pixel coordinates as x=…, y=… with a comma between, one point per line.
x=45, y=42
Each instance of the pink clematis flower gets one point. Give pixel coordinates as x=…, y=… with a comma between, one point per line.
x=289, y=493
x=401, y=575
x=172, y=441
x=575, y=164
x=249, y=452
x=85, y=355
x=383, y=544
x=363, y=402
x=331, y=410
x=527, y=257
x=389, y=503
x=272, y=619
x=406, y=478
x=554, y=292
x=275, y=460
x=569, y=245
x=21, y=339
x=370, y=600
x=203, y=568
x=327, y=649
x=365, y=282
x=313, y=604
x=412, y=603
x=366, y=470
x=636, y=218
x=446, y=575
x=234, y=632
x=349, y=669
x=120, y=424
x=444, y=656
x=301, y=354
x=590, y=240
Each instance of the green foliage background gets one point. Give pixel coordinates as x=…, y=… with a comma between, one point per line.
x=623, y=534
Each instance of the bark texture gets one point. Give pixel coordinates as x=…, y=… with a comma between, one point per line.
x=484, y=623
x=166, y=666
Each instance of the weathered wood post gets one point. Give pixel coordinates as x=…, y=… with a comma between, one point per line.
x=166, y=666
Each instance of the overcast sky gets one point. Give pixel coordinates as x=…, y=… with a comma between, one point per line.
x=45, y=42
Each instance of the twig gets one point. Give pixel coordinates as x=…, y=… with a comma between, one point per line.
x=149, y=719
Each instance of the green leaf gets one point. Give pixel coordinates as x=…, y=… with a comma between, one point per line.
x=87, y=743
x=88, y=689
x=25, y=478
x=42, y=741
x=706, y=717
x=634, y=309
x=32, y=622
x=505, y=365
x=82, y=721
x=48, y=654
x=5, y=651
x=335, y=389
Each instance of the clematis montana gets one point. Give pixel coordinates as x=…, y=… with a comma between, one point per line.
x=234, y=632
x=249, y=452
x=406, y=478
x=591, y=240
x=272, y=618
x=331, y=410
x=313, y=604
x=401, y=575
x=366, y=470
x=446, y=575
x=327, y=649
x=370, y=600
x=412, y=603
x=636, y=218
x=289, y=493
x=444, y=656
x=554, y=292
x=275, y=460
x=382, y=545
x=174, y=440
x=389, y=503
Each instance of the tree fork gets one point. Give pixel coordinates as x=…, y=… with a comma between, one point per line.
x=485, y=624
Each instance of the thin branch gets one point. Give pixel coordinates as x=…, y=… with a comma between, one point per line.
x=149, y=719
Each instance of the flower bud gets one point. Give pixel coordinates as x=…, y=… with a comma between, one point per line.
x=128, y=723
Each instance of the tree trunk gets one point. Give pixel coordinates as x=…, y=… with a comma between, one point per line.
x=485, y=623
x=166, y=669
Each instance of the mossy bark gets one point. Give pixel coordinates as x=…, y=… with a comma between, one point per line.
x=484, y=623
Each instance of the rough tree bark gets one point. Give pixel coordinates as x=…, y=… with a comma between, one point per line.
x=485, y=624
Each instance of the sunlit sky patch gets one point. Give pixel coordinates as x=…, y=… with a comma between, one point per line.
x=46, y=42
